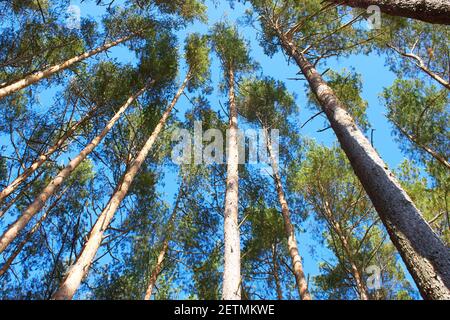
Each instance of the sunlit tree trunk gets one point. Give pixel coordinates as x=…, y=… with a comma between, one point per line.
x=165, y=247
x=79, y=270
x=275, y=271
x=13, y=230
x=302, y=284
x=425, y=255
x=30, y=234
x=157, y=270
x=232, y=256
x=432, y=11
x=355, y=271
x=42, y=158
x=38, y=76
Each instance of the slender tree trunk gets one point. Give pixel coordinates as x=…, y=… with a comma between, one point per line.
x=27, y=238
x=38, y=76
x=232, y=257
x=275, y=271
x=425, y=255
x=22, y=193
x=14, y=229
x=356, y=272
x=302, y=284
x=157, y=270
x=43, y=158
x=165, y=247
x=432, y=11
x=81, y=267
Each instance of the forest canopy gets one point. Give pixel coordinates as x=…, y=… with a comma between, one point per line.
x=206, y=150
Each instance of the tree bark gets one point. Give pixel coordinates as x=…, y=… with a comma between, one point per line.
x=38, y=76
x=79, y=270
x=302, y=284
x=43, y=158
x=425, y=255
x=157, y=270
x=14, y=229
x=27, y=238
x=432, y=11
x=232, y=256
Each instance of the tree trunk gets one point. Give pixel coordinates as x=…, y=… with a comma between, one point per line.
x=432, y=11
x=43, y=158
x=165, y=247
x=275, y=272
x=14, y=229
x=33, y=230
x=232, y=256
x=302, y=284
x=428, y=150
x=157, y=270
x=38, y=76
x=80, y=269
x=425, y=255
x=356, y=272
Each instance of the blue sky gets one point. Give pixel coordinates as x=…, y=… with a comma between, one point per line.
x=375, y=76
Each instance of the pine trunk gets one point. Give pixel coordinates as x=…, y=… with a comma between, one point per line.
x=432, y=11
x=27, y=238
x=157, y=270
x=165, y=247
x=42, y=158
x=302, y=284
x=356, y=272
x=276, y=274
x=232, y=256
x=425, y=255
x=14, y=229
x=38, y=76
x=80, y=269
